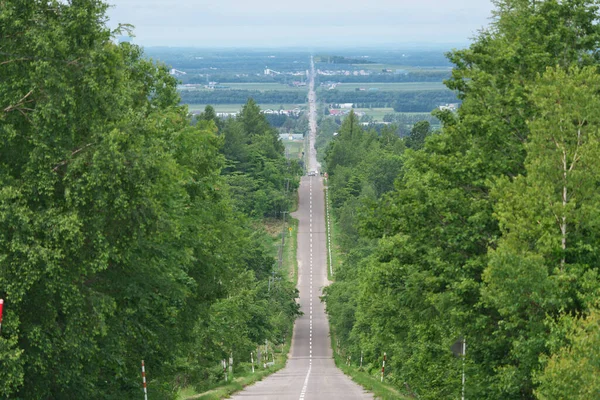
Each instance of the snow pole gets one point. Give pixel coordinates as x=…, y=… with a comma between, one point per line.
x=383, y=366
x=144, y=381
x=1, y=306
x=464, y=354
x=252, y=361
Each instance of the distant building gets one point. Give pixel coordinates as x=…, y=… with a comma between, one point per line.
x=176, y=72
x=449, y=107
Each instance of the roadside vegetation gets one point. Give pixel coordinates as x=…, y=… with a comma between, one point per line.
x=486, y=231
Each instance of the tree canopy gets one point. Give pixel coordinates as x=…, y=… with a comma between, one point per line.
x=121, y=237
x=489, y=231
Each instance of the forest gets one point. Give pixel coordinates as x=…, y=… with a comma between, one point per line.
x=484, y=232
x=127, y=232
x=405, y=101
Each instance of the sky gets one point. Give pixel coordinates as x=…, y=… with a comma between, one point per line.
x=306, y=23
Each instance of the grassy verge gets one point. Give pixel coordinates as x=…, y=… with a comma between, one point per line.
x=290, y=259
x=243, y=377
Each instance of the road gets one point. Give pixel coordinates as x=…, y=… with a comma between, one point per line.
x=313, y=164
x=310, y=373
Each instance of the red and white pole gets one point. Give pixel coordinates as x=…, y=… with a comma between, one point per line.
x=383, y=366
x=144, y=381
x=1, y=306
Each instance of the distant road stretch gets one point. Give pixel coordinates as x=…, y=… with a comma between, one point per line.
x=310, y=373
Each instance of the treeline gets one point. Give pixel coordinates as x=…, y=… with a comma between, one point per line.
x=405, y=101
x=237, y=96
x=411, y=119
x=288, y=123
x=487, y=232
x=126, y=232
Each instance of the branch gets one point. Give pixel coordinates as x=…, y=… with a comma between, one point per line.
x=15, y=60
x=19, y=103
x=64, y=162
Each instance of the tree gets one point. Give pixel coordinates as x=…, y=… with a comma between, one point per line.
x=450, y=259
x=572, y=371
x=547, y=216
x=118, y=232
x=418, y=134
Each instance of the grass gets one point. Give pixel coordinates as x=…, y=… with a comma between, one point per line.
x=290, y=259
x=242, y=379
x=376, y=113
x=294, y=148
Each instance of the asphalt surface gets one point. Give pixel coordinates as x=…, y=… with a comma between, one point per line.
x=313, y=164
x=310, y=373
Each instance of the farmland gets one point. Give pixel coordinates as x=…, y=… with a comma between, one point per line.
x=393, y=87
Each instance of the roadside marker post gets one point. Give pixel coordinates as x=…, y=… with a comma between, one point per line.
x=383, y=366
x=224, y=368
x=144, y=381
x=464, y=354
x=1, y=307
x=252, y=361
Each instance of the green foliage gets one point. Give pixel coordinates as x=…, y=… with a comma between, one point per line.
x=119, y=238
x=489, y=231
x=260, y=177
x=573, y=372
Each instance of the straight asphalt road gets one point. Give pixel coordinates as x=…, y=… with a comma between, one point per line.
x=310, y=373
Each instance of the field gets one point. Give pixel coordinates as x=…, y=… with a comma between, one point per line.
x=394, y=67
x=379, y=113
x=394, y=87
x=262, y=86
x=230, y=108
x=294, y=148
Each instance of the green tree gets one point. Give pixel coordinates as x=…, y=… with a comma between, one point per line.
x=418, y=134
x=572, y=372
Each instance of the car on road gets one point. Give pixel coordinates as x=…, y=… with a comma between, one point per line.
x=312, y=173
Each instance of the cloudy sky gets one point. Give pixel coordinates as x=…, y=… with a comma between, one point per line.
x=315, y=23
